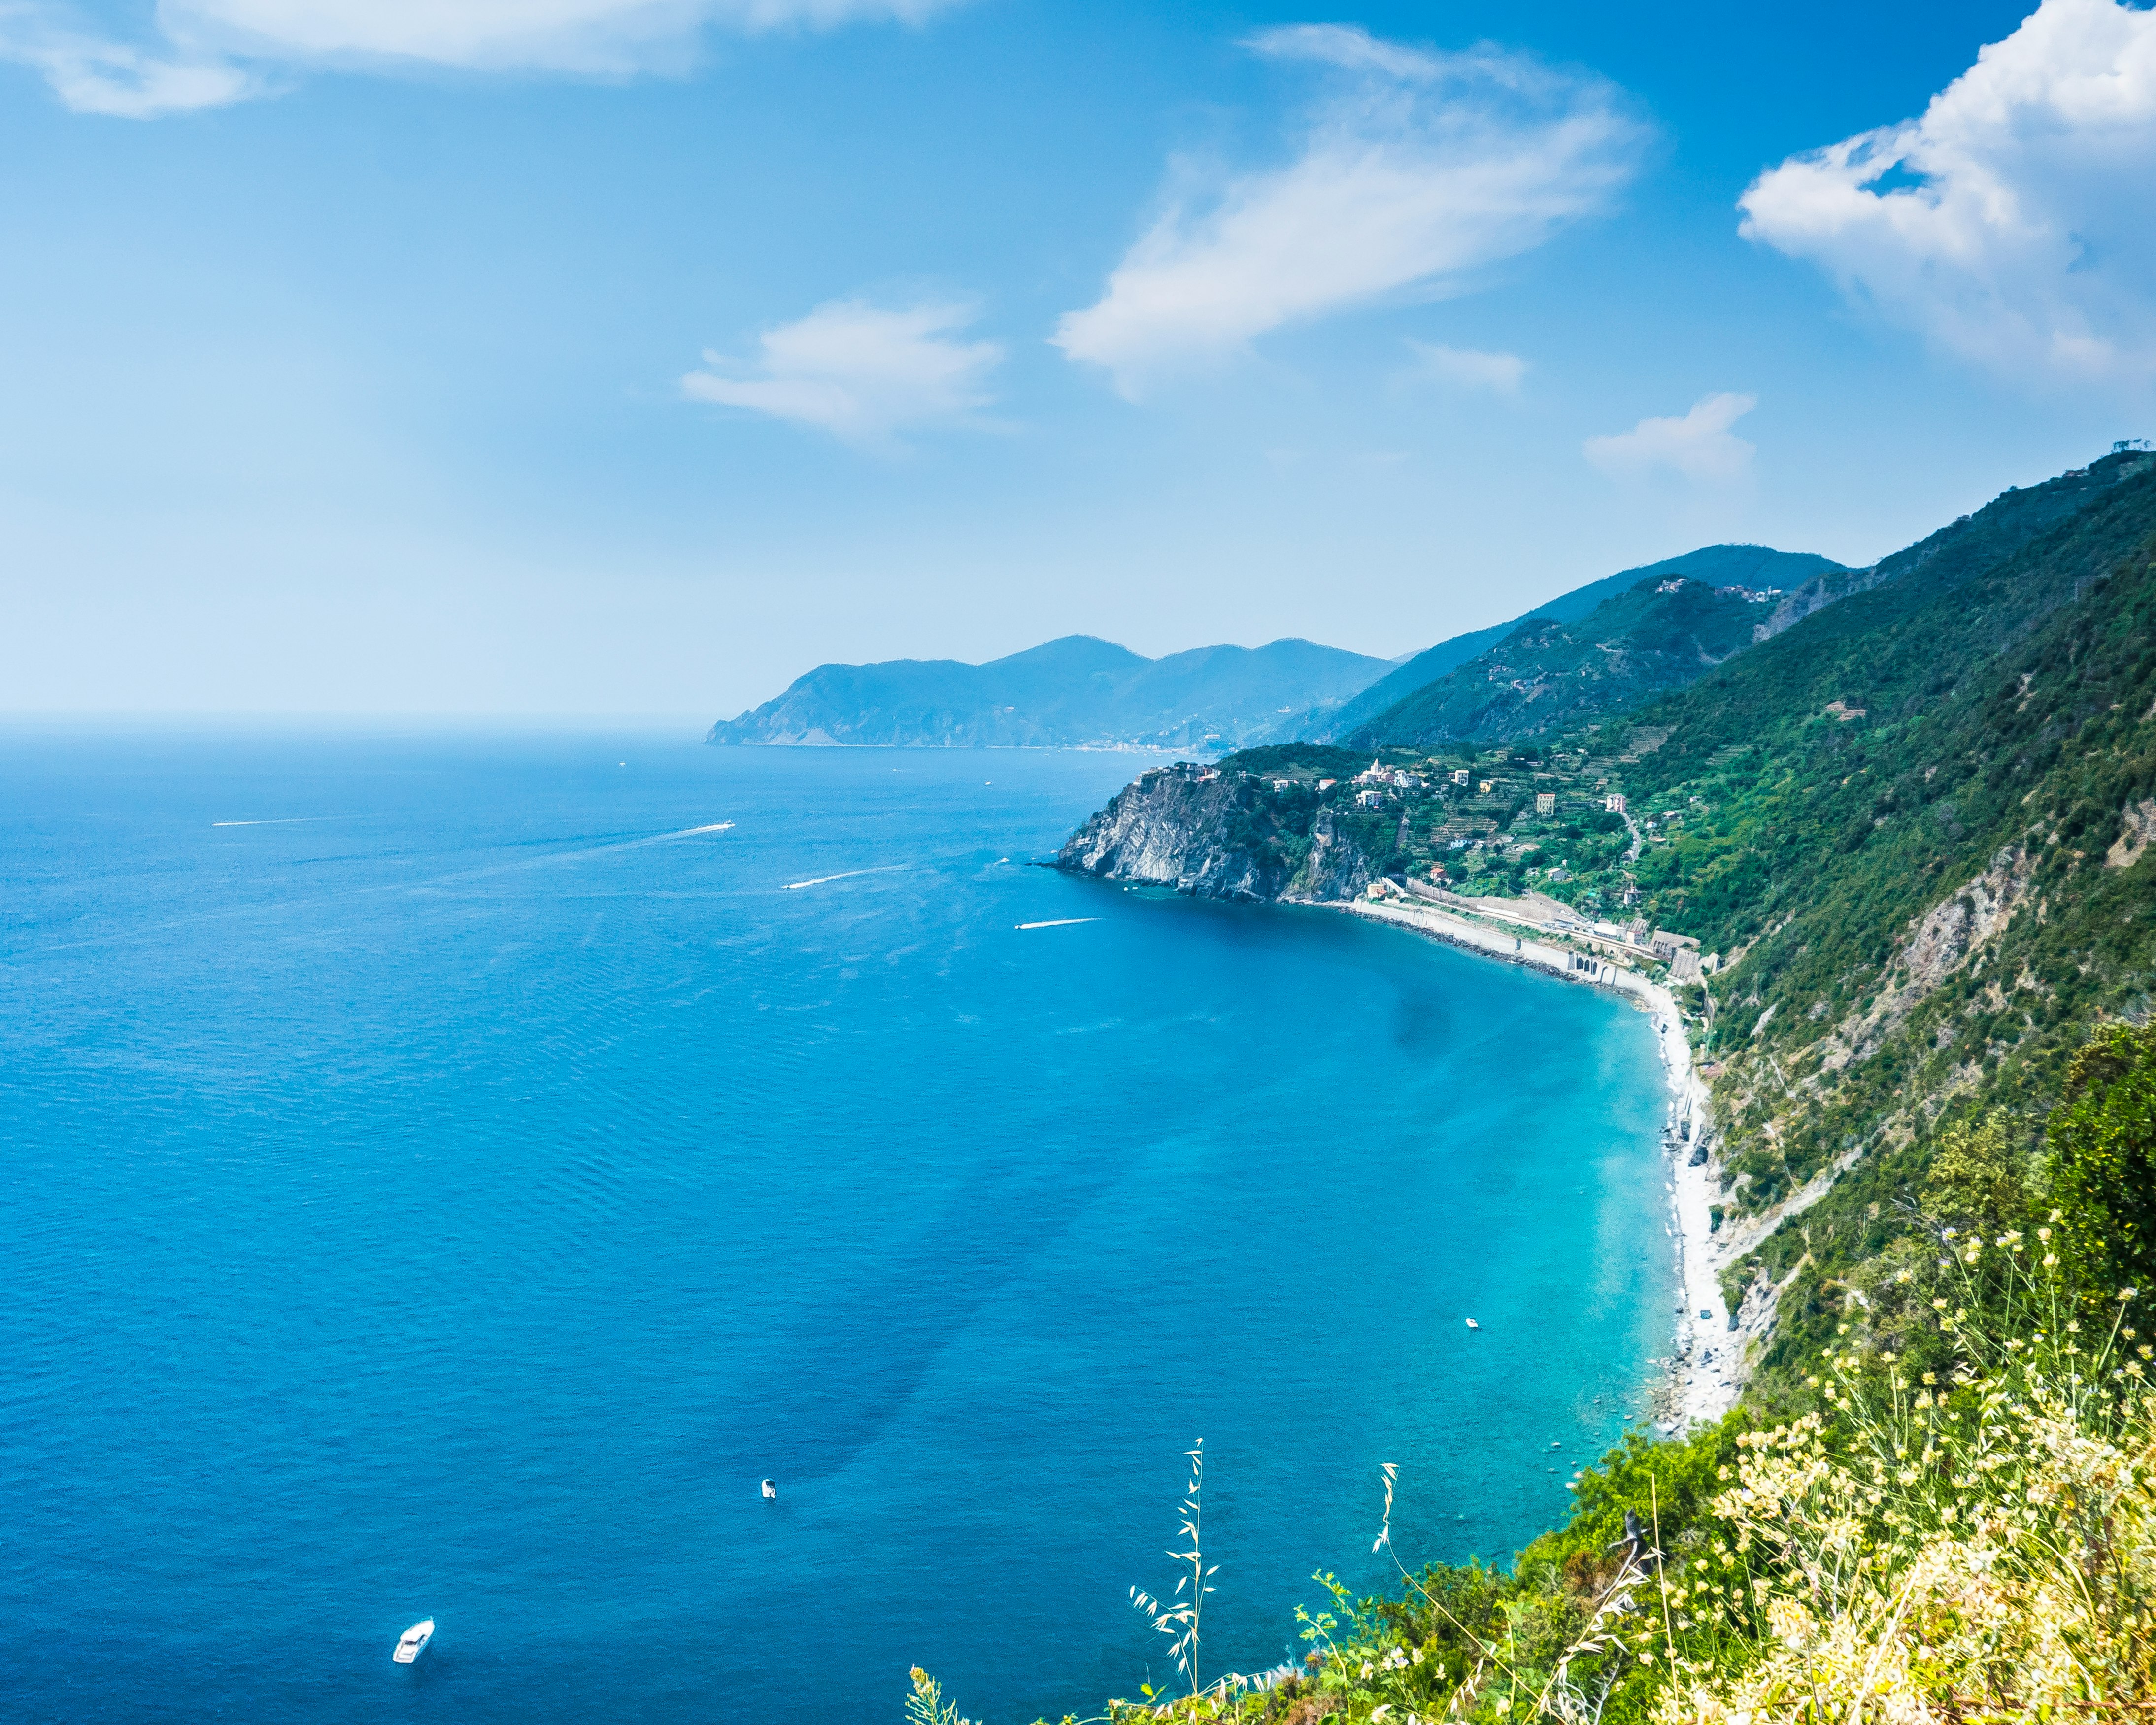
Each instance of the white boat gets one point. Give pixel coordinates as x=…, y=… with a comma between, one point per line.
x=414, y=1642
x=770, y=1489
x=1472, y=1325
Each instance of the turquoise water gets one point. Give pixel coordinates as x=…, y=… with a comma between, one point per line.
x=451, y=1195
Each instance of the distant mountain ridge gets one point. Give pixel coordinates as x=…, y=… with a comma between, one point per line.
x=1682, y=620
x=1071, y=692
x=1656, y=627
x=1757, y=566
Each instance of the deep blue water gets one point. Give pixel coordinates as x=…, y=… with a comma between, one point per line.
x=450, y=1196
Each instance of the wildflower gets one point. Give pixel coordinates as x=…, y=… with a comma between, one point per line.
x=2051, y=1260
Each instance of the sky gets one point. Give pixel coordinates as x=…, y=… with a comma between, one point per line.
x=628, y=357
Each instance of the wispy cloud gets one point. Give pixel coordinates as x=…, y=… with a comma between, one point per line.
x=862, y=372
x=206, y=53
x=93, y=75
x=1700, y=445
x=2011, y=222
x=1417, y=171
x=1465, y=368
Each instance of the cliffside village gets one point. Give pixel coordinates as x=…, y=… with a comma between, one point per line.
x=1537, y=844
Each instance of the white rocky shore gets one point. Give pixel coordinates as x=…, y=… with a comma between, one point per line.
x=1707, y=1367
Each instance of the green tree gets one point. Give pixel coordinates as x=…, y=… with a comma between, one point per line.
x=2103, y=1135
x=1976, y=1180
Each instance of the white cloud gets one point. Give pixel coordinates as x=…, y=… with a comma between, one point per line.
x=2012, y=221
x=92, y=76
x=210, y=53
x=1701, y=445
x=1418, y=171
x=1464, y=369
x=859, y=372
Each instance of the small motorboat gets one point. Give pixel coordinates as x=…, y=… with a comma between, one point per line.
x=770, y=1490
x=414, y=1642
x=1472, y=1325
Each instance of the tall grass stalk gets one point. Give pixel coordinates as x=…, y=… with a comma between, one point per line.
x=1178, y=1615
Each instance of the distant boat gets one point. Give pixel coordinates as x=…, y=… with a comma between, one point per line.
x=770, y=1490
x=414, y=1642
x=1472, y=1325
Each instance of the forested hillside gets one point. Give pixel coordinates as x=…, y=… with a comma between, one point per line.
x=1919, y=831
x=1754, y=565
x=1913, y=831
x=1674, y=624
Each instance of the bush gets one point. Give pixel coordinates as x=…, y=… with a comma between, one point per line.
x=2103, y=1137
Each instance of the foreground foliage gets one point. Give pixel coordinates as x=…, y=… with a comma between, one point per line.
x=1976, y=1541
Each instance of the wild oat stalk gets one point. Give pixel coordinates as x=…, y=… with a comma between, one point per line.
x=1178, y=1615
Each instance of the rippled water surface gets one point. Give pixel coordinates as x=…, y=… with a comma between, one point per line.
x=442, y=1176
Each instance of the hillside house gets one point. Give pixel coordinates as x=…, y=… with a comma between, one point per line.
x=1370, y=799
x=1460, y=775
x=1487, y=786
x=1614, y=803
x=1546, y=802
x=1326, y=784
x=1666, y=946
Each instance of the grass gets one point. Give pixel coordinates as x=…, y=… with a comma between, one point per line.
x=1973, y=1542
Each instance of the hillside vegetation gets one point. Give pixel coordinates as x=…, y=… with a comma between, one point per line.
x=1756, y=566
x=1667, y=628
x=1920, y=831
x=1915, y=825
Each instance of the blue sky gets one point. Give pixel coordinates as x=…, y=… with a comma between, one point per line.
x=614, y=356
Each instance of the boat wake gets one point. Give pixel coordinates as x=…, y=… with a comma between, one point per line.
x=1061, y=922
x=823, y=880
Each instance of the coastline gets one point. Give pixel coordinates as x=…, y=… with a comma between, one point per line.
x=1706, y=1367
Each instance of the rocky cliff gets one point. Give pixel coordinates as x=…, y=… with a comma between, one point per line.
x=1218, y=835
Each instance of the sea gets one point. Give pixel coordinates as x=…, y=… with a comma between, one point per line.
x=443, y=1175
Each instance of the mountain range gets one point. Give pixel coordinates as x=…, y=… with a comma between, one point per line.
x=1598, y=648
x=1073, y=692
x=1597, y=651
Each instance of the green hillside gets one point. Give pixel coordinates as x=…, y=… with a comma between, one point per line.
x=1916, y=826
x=1550, y=675
x=1919, y=828
x=1756, y=566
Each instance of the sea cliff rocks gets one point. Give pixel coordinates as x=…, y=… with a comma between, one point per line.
x=1215, y=835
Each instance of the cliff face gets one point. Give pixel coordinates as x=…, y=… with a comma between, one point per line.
x=1218, y=837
